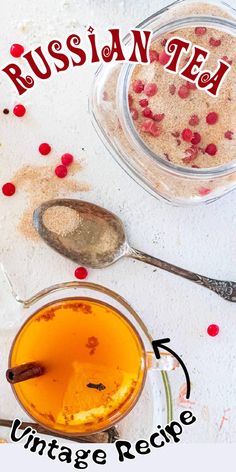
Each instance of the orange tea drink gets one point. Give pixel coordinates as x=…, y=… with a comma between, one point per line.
x=93, y=365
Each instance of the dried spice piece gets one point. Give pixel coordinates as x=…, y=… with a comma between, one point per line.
x=24, y=372
x=48, y=316
x=6, y=111
x=98, y=387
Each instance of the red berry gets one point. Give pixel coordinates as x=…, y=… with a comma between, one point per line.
x=229, y=135
x=149, y=126
x=183, y=91
x=138, y=86
x=143, y=103
x=211, y=149
x=190, y=155
x=154, y=56
x=134, y=113
x=19, y=110
x=203, y=191
x=172, y=89
x=150, y=89
x=191, y=85
x=200, y=30
x=147, y=112
x=81, y=273
x=158, y=116
x=194, y=120
x=8, y=189
x=213, y=330
x=67, y=159
x=44, y=149
x=130, y=100
x=16, y=50
x=196, y=138
x=164, y=58
x=187, y=135
x=214, y=42
x=61, y=171
x=212, y=118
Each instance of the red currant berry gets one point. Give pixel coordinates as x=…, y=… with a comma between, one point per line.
x=67, y=159
x=214, y=42
x=16, y=50
x=61, y=171
x=203, y=191
x=164, y=58
x=200, y=30
x=213, y=330
x=194, y=120
x=81, y=273
x=154, y=56
x=187, y=135
x=138, y=86
x=150, y=89
x=44, y=149
x=158, y=116
x=143, y=102
x=196, y=138
x=19, y=110
x=229, y=135
x=183, y=91
x=212, y=118
x=8, y=189
x=211, y=149
x=147, y=112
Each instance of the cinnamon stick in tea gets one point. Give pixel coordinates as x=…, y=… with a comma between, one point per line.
x=24, y=372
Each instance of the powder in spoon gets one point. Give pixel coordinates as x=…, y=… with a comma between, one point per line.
x=61, y=220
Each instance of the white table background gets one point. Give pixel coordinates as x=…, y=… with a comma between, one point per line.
x=202, y=239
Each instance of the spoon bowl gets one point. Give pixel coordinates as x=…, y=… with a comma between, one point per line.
x=96, y=240
x=95, y=237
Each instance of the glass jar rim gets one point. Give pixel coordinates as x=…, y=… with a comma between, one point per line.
x=123, y=104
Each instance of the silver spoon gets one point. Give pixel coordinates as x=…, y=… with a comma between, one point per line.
x=96, y=238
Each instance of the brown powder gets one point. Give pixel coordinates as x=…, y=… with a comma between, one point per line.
x=61, y=220
x=40, y=184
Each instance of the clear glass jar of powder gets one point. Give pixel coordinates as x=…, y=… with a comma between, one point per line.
x=177, y=141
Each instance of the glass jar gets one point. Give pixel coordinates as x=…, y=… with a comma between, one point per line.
x=110, y=110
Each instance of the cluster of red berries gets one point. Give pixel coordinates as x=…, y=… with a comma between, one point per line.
x=61, y=170
x=201, y=31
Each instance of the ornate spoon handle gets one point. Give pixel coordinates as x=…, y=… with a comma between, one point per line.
x=225, y=289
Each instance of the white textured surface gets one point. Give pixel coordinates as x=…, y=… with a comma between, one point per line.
x=202, y=239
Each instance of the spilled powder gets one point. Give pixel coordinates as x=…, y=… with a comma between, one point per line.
x=41, y=184
x=61, y=220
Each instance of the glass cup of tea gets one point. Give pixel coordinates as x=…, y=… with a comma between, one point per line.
x=78, y=364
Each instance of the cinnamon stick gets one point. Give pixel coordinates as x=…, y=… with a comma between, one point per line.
x=24, y=372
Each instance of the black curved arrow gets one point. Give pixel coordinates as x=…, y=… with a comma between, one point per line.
x=160, y=343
